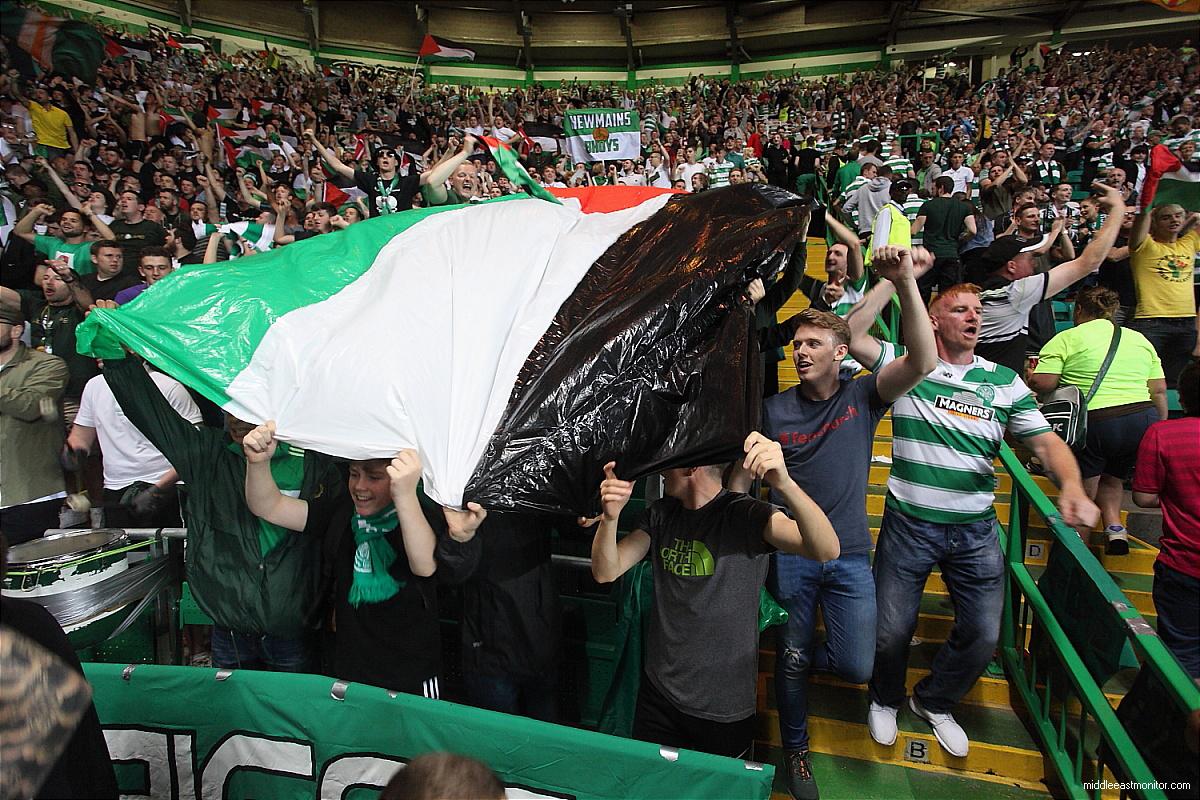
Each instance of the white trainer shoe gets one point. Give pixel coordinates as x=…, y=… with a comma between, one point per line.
x=949, y=733
x=881, y=721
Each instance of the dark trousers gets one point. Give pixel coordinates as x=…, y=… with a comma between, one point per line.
x=657, y=720
x=536, y=698
x=1173, y=339
x=944, y=273
x=1177, y=600
x=119, y=512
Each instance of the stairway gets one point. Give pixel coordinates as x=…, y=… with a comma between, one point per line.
x=1004, y=760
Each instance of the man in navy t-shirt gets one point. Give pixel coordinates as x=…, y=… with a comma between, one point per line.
x=825, y=426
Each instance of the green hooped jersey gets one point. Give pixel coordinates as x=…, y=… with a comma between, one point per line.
x=946, y=432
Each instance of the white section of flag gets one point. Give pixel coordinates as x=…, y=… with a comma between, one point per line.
x=423, y=350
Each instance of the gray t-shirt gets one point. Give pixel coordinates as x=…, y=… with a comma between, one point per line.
x=827, y=447
x=709, y=565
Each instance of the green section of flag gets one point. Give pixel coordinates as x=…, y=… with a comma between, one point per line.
x=216, y=315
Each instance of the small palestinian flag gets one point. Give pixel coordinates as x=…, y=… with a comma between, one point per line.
x=1169, y=180
x=435, y=50
x=170, y=116
x=332, y=194
x=260, y=107
x=545, y=344
x=120, y=49
x=221, y=110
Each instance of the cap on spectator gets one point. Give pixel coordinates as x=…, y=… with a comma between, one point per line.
x=1004, y=250
x=12, y=315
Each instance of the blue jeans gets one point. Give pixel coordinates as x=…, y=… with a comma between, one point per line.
x=846, y=593
x=1177, y=600
x=536, y=698
x=231, y=650
x=973, y=570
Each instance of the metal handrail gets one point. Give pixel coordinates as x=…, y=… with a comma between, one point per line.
x=1035, y=686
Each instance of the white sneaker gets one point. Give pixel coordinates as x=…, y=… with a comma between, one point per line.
x=949, y=733
x=881, y=721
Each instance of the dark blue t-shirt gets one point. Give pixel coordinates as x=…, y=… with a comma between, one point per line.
x=827, y=446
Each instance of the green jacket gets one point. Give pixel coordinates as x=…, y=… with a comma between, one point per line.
x=29, y=444
x=233, y=582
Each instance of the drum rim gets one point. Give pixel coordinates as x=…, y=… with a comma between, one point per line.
x=116, y=538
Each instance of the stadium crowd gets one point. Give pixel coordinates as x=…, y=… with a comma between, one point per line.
x=974, y=204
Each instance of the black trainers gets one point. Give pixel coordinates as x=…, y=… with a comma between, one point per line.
x=800, y=780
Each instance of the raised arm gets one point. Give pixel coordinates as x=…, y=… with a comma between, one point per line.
x=854, y=259
x=865, y=348
x=433, y=179
x=808, y=531
x=612, y=559
x=24, y=226
x=920, y=358
x=419, y=539
x=1093, y=255
x=332, y=160
x=263, y=497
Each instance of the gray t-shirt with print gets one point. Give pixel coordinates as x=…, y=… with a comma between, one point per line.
x=709, y=565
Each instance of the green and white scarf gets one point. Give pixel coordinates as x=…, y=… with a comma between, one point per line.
x=373, y=557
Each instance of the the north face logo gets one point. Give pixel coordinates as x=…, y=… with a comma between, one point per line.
x=688, y=558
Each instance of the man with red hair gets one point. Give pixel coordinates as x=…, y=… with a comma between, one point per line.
x=939, y=508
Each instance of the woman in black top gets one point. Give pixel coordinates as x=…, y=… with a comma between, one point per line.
x=385, y=553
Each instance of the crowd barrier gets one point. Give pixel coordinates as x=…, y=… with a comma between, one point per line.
x=1068, y=634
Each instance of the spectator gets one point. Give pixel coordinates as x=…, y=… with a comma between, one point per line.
x=133, y=230
x=384, y=551
x=1130, y=398
x=72, y=248
x=156, y=264
x=1163, y=246
x=139, y=482
x=708, y=550
x=942, y=440
x=52, y=127
x=943, y=222
x=443, y=776
x=55, y=312
x=259, y=583
x=31, y=387
x=1012, y=289
x=865, y=201
x=959, y=173
x=826, y=426
x=1167, y=475
x=1046, y=171
x=108, y=277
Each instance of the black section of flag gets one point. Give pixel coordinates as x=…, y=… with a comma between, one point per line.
x=652, y=362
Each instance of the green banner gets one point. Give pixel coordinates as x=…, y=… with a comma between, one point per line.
x=602, y=134
x=200, y=734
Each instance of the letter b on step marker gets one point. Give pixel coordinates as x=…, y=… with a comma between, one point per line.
x=916, y=750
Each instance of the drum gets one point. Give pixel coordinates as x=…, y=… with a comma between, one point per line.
x=84, y=578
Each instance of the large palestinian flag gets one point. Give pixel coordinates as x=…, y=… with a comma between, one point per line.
x=518, y=344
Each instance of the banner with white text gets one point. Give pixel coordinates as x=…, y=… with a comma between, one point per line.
x=602, y=134
x=199, y=734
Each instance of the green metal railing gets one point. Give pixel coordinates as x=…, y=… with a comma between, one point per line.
x=1059, y=660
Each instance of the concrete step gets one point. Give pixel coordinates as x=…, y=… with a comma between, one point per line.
x=841, y=778
x=1000, y=745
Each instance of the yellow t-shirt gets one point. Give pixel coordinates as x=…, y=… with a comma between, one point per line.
x=1077, y=353
x=50, y=125
x=1162, y=274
